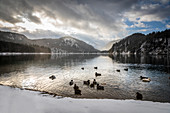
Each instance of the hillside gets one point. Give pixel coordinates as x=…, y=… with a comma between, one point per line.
x=61, y=45
x=66, y=44
x=13, y=47
x=153, y=43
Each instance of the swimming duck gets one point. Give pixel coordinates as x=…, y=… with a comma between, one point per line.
x=86, y=82
x=141, y=77
x=82, y=68
x=97, y=74
x=52, y=77
x=139, y=96
x=71, y=82
x=145, y=79
x=77, y=92
x=94, y=82
x=95, y=67
x=100, y=87
x=126, y=69
x=118, y=70
x=75, y=87
x=92, y=85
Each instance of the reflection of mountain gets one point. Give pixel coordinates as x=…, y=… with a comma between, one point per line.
x=141, y=59
x=20, y=62
x=14, y=42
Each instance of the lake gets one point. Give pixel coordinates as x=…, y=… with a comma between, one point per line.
x=33, y=72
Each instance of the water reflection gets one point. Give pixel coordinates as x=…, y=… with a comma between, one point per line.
x=138, y=59
x=33, y=71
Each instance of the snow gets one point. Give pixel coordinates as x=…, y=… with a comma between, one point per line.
x=14, y=100
x=70, y=41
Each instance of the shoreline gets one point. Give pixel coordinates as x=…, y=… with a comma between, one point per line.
x=15, y=101
x=73, y=97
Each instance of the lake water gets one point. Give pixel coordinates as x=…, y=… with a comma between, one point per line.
x=33, y=71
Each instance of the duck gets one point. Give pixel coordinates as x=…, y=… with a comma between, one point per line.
x=95, y=67
x=145, y=79
x=141, y=77
x=139, y=96
x=126, y=69
x=92, y=85
x=118, y=70
x=82, y=68
x=77, y=92
x=75, y=87
x=86, y=82
x=98, y=74
x=71, y=82
x=100, y=87
x=94, y=82
x=52, y=77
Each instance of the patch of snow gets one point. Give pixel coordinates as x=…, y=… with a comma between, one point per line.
x=76, y=45
x=57, y=50
x=20, y=38
x=160, y=39
x=24, y=101
x=70, y=41
x=10, y=37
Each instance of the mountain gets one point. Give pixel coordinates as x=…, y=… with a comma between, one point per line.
x=109, y=45
x=13, y=42
x=14, y=47
x=153, y=43
x=66, y=45
x=14, y=38
x=62, y=45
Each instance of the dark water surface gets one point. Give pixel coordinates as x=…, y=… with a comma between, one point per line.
x=33, y=71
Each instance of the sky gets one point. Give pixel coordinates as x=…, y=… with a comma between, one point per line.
x=94, y=21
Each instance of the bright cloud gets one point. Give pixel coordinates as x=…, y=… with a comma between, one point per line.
x=94, y=21
x=168, y=26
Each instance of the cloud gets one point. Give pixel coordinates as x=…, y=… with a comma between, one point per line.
x=94, y=21
x=148, y=12
x=11, y=8
x=168, y=26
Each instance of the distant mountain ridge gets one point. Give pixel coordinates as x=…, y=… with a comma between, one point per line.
x=61, y=45
x=153, y=43
x=66, y=44
x=109, y=45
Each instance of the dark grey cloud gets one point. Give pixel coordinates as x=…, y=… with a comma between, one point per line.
x=11, y=8
x=158, y=9
x=94, y=21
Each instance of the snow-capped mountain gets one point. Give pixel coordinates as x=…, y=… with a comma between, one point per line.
x=62, y=45
x=66, y=45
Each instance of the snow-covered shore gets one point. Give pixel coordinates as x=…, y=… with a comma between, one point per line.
x=14, y=100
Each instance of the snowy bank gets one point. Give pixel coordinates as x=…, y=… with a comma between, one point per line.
x=14, y=100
